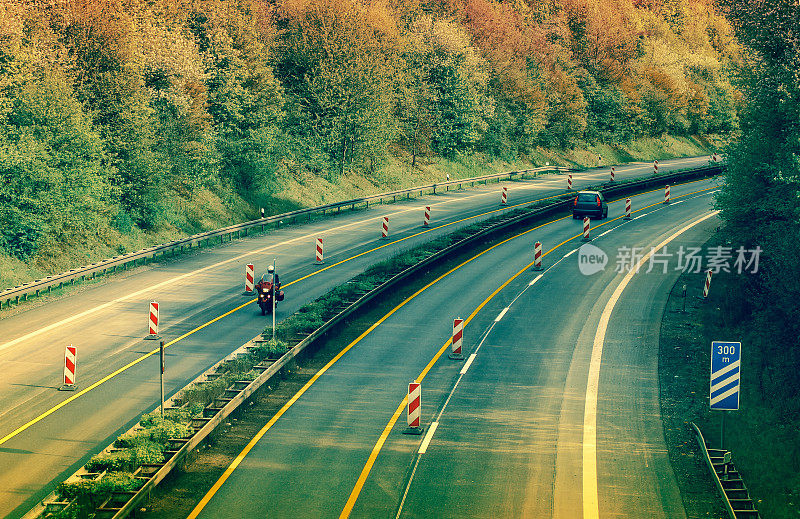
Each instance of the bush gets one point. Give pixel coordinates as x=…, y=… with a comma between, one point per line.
x=182, y=415
x=128, y=459
x=158, y=433
x=204, y=393
x=89, y=494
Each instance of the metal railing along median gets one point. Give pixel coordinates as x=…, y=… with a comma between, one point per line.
x=21, y=292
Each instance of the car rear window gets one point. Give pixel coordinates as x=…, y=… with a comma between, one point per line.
x=586, y=197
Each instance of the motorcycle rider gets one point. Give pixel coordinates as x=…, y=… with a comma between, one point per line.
x=271, y=274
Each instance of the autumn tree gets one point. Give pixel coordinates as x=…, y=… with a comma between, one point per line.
x=337, y=60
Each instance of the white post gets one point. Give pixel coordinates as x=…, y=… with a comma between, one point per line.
x=274, y=279
x=161, y=356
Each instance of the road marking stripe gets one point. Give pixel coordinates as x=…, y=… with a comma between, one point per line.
x=570, y=253
x=109, y=377
x=500, y=316
x=424, y=447
x=173, y=280
x=534, y=280
x=467, y=364
x=348, y=508
x=608, y=231
x=590, y=492
x=641, y=216
x=362, y=478
x=676, y=203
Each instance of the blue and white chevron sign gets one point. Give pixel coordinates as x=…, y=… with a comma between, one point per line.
x=726, y=360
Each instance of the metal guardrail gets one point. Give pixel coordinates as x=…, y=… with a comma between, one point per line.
x=732, y=489
x=102, y=267
x=242, y=395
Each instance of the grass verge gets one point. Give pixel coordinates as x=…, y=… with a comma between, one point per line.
x=764, y=446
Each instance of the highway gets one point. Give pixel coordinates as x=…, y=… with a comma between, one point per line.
x=46, y=434
x=554, y=414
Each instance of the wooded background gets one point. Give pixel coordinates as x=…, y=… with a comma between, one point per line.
x=124, y=116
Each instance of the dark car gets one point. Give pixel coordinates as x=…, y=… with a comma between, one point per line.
x=589, y=203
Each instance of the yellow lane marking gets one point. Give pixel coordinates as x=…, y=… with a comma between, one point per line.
x=590, y=493
x=362, y=478
x=387, y=430
x=173, y=280
x=423, y=232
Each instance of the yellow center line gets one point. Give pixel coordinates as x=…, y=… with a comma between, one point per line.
x=351, y=501
x=591, y=508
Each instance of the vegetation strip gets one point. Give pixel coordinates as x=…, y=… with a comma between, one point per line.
x=762, y=434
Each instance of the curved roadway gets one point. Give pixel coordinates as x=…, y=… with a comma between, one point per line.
x=46, y=434
x=556, y=415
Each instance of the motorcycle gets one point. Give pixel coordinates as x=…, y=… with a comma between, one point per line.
x=265, y=291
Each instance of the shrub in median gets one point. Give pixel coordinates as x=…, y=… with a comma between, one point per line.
x=127, y=459
x=89, y=494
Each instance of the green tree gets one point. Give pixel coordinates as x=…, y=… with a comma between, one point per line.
x=54, y=191
x=457, y=80
x=246, y=103
x=761, y=204
x=338, y=63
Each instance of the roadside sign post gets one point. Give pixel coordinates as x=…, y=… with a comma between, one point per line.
x=274, y=279
x=724, y=383
x=684, y=297
x=161, y=357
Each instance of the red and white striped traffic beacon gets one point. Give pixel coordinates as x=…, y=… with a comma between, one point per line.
x=414, y=409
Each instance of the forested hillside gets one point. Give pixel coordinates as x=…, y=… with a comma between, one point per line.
x=139, y=118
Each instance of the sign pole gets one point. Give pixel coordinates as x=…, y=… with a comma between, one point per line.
x=274, y=279
x=161, y=356
x=722, y=431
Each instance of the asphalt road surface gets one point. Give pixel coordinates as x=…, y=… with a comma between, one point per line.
x=556, y=415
